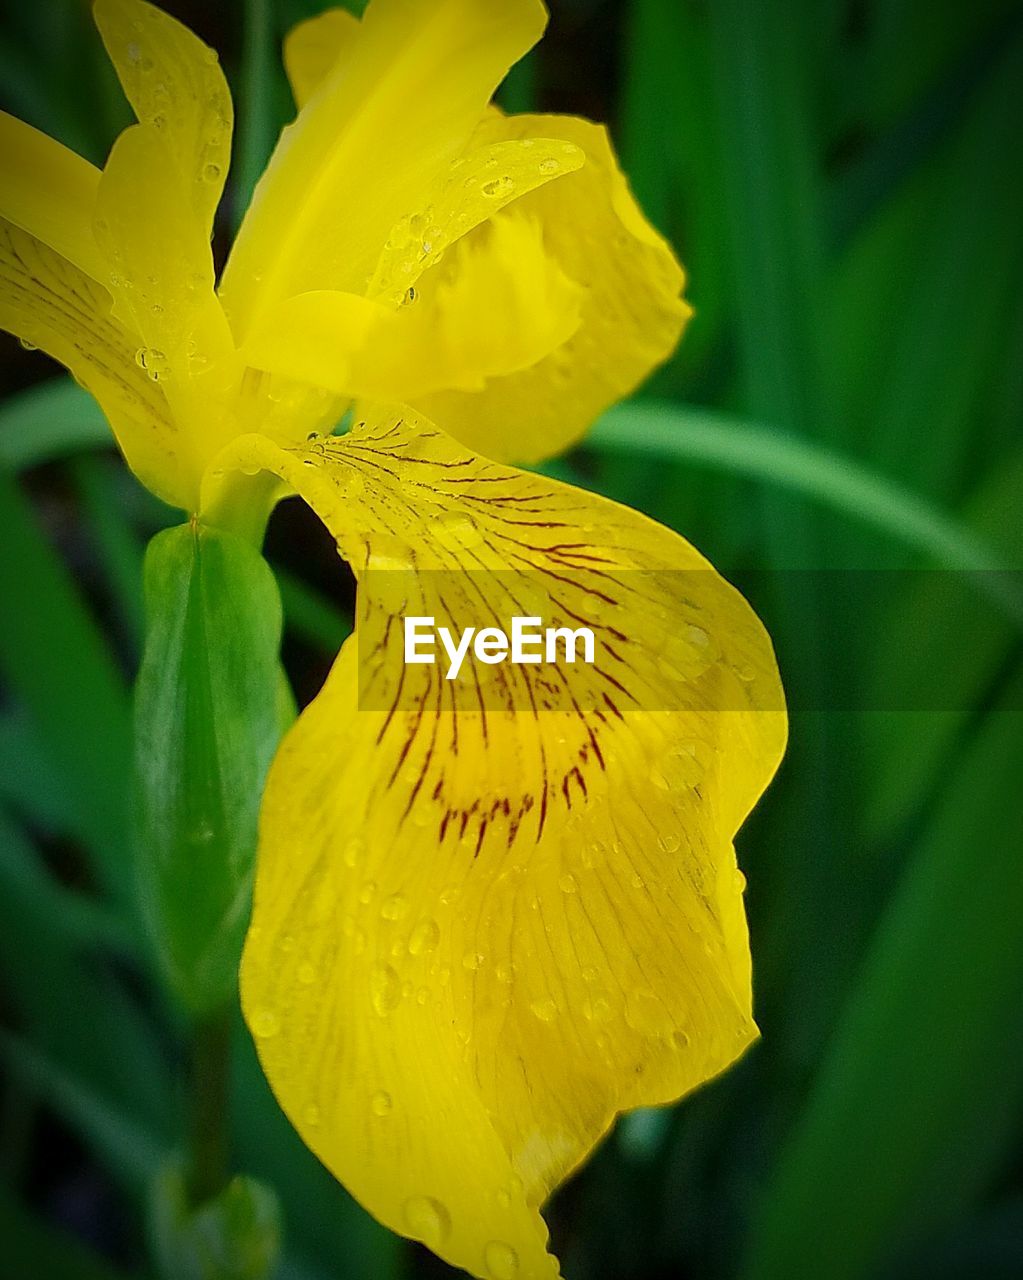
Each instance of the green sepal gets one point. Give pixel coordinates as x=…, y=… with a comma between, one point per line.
x=207, y=722
x=234, y=1236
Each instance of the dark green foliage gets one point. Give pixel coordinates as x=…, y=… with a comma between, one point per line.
x=842, y=181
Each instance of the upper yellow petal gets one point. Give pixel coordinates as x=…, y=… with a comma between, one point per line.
x=161, y=274
x=490, y=308
x=51, y=303
x=50, y=192
x=174, y=84
x=386, y=126
x=313, y=48
x=480, y=933
x=632, y=317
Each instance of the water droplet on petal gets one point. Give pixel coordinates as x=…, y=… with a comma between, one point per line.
x=311, y=1115
x=425, y=937
x=427, y=1220
x=546, y=1010
x=501, y=1260
x=211, y=172
x=472, y=961
x=266, y=1024
x=645, y=1013
x=549, y=165
x=306, y=974
x=498, y=188
x=381, y=1104
x=567, y=884
x=28, y=346
x=394, y=907
x=670, y=841
x=385, y=990
x=354, y=850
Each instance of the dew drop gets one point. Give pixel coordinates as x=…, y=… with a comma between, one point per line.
x=306, y=974
x=367, y=892
x=427, y=1220
x=425, y=937
x=311, y=1115
x=501, y=1260
x=381, y=1104
x=739, y=880
x=698, y=637
x=596, y=1009
x=28, y=346
x=498, y=188
x=456, y=531
x=505, y=974
x=266, y=1024
x=354, y=850
x=645, y=1013
x=385, y=990
x=546, y=1010
x=472, y=961
x=670, y=841
x=568, y=884
x=153, y=361
x=680, y=1040
x=549, y=165
x=211, y=172
x=394, y=907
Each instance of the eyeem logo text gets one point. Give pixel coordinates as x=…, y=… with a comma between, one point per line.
x=528, y=642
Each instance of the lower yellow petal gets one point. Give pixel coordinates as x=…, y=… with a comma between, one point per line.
x=48, y=302
x=479, y=934
x=631, y=321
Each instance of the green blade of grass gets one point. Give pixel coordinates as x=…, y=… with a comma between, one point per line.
x=257, y=114
x=918, y=1099
x=52, y=420
x=704, y=436
x=56, y=662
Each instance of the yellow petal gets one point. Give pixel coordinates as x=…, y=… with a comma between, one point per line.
x=492, y=307
x=50, y=192
x=480, y=934
x=312, y=50
x=392, y=117
x=174, y=84
x=49, y=302
x=161, y=274
x=632, y=316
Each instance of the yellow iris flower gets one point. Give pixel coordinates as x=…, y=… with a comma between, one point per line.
x=478, y=935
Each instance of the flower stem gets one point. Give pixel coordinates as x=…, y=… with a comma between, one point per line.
x=209, y=1088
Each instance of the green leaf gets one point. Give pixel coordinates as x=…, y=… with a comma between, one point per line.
x=235, y=1236
x=920, y=1094
x=57, y=664
x=52, y=420
x=207, y=724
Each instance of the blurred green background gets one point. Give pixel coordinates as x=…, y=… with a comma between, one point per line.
x=840, y=433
